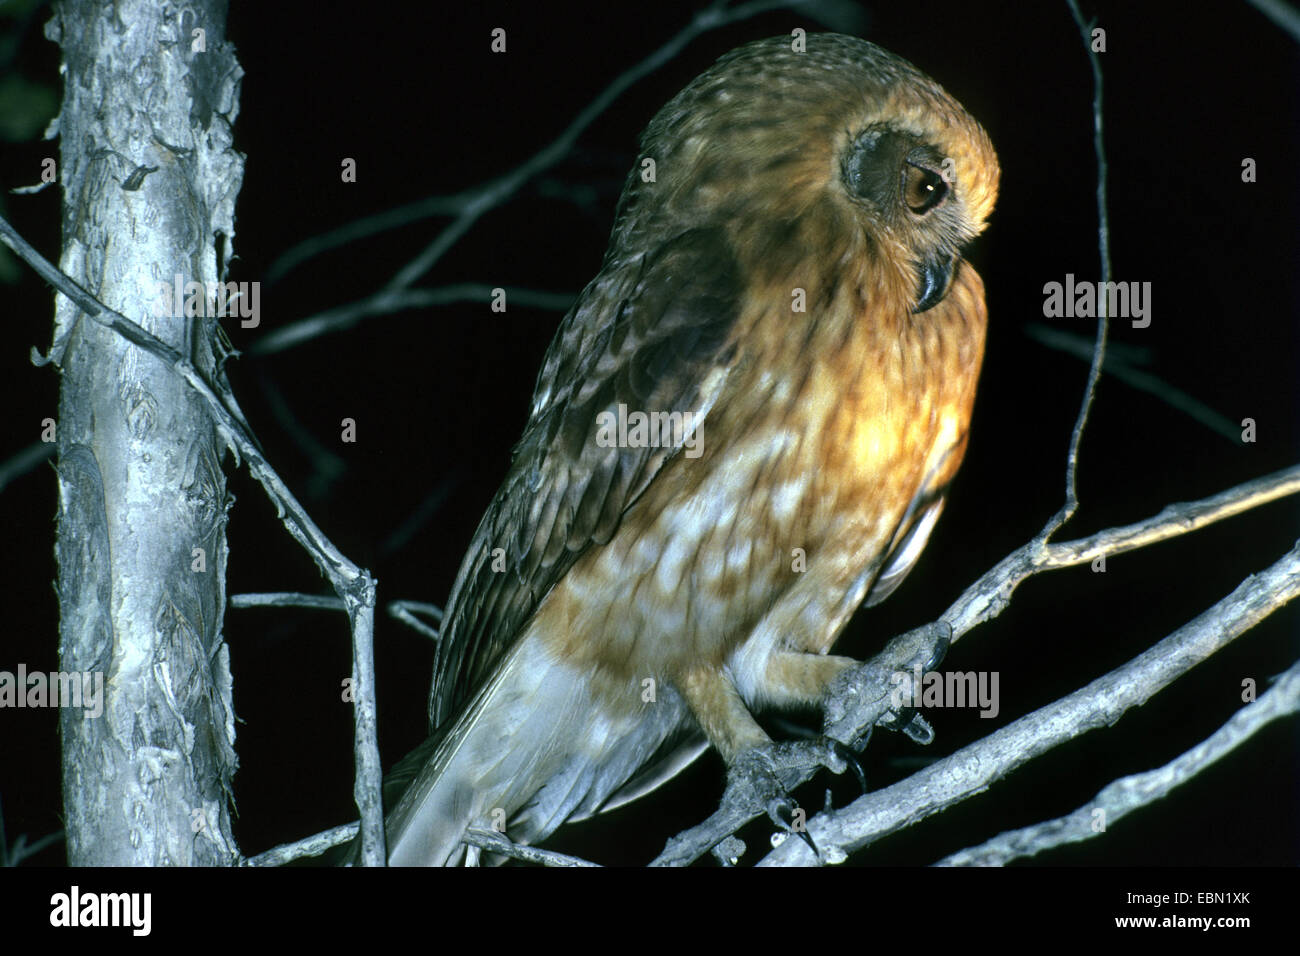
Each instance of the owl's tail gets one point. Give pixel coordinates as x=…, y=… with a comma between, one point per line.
x=534, y=747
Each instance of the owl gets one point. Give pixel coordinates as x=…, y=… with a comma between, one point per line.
x=744, y=429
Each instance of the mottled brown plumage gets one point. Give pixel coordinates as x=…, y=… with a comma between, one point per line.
x=615, y=601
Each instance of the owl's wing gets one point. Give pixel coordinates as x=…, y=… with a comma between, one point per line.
x=659, y=343
x=914, y=528
x=909, y=542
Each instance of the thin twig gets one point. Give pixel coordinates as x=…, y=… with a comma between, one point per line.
x=398, y=538
x=1103, y=322
x=25, y=461
x=351, y=232
x=1193, y=408
x=327, y=467
x=494, y=193
x=494, y=842
x=1172, y=521
x=21, y=850
x=1283, y=15
x=387, y=301
x=355, y=586
x=314, y=845
x=1137, y=791
x=469, y=205
x=402, y=611
x=990, y=595
x=319, y=602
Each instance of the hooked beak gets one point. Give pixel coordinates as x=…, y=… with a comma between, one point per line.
x=934, y=274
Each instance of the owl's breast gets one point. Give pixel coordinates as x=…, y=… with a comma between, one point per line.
x=797, y=487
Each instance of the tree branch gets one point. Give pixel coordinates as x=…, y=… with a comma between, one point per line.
x=1103, y=322
x=853, y=712
x=1101, y=703
x=495, y=842
x=354, y=585
x=1140, y=790
x=469, y=205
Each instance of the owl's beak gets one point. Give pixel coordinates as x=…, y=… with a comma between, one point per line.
x=934, y=274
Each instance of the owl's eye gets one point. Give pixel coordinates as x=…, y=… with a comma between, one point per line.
x=923, y=189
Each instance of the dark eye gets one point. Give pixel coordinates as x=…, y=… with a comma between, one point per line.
x=923, y=189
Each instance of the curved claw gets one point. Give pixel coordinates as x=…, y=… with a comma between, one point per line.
x=909, y=721
x=807, y=838
x=898, y=719
x=781, y=812
x=755, y=780
x=941, y=645
x=850, y=759
x=919, y=731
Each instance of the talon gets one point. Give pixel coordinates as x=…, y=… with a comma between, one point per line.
x=940, y=651
x=807, y=838
x=859, y=774
x=850, y=760
x=898, y=720
x=919, y=731
x=908, y=721
x=755, y=780
x=782, y=813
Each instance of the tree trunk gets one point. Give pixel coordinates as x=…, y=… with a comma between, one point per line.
x=149, y=182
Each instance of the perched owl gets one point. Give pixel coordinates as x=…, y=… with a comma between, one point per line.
x=744, y=428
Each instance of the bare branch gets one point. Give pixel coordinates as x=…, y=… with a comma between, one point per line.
x=1101, y=703
x=851, y=712
x=402, y=611
x=314, y=845
x=387, y=301
x=1138, y=790
x=989, y=596
x=25, y=461
x=21, y=850
x=319, y=602
x=1103, y=322
x=426, y=509
x=495, y=842
x=354, y=585
x=1172, y=521
x=494, y=193
x=1283, y=15
x=470, y=204
x=848, y=717
x=1193, y=408
x=351, y=232
x=326, y=466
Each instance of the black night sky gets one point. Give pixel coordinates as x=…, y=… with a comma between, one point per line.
x=440, y=394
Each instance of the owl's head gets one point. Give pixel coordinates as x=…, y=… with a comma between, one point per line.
x=834, y=144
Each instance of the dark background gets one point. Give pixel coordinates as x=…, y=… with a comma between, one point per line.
x=440, y=395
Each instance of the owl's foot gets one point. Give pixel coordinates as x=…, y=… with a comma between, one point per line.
x=908, y=720
x=755, y=784
x=854, y=699
x=759, y=780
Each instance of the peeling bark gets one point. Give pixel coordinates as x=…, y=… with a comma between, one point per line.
x=149, y=182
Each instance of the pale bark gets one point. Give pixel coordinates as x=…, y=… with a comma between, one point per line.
x=149, y=182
